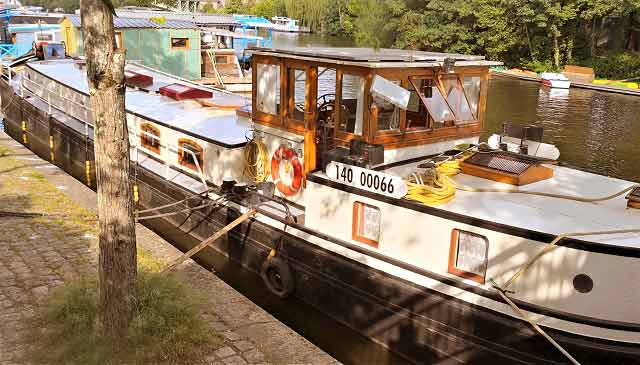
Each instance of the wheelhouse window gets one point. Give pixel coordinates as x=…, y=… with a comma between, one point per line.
x=296, y=82
x=468, y=255
x=417, y=114
x=457, y=98
x=388, y=114
x=179, y=43
x=437, y=106
x=150, y=137
x=366, y=224
x=268, y=88
x=189, y=153
x=352, y=104
x=471, y=85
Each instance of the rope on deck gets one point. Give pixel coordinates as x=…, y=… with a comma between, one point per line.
x=502, y=290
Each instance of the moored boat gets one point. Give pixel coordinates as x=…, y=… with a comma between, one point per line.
x=555, y=80
x=377, y=203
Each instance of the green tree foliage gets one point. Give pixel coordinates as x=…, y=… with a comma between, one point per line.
x=543, y=32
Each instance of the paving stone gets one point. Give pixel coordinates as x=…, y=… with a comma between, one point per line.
x=253, y=356
x=234, y=360
x=225, y=352
x=243, y=345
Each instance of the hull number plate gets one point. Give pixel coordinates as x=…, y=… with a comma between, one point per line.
x=365, y=179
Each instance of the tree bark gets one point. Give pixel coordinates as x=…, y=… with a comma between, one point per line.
x=117, y=239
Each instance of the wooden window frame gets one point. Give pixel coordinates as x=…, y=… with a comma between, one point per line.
x=453, y=256
x=187, y=46
x=119, y=39
x=291, y=123
x=272, y=120
x=342, y=136
x=150, y=128
x=200, y=153
x=358, y=221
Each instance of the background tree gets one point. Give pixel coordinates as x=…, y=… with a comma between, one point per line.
x=117, y=237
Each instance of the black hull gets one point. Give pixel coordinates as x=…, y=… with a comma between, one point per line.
x=422, y=325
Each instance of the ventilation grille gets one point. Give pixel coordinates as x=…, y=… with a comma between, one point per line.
x=501, y=161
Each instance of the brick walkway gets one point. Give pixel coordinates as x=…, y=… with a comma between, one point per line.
x=36, y=255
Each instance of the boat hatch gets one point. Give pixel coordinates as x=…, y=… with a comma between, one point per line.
x=633, y=198
x=506, y=167
x=137, y=79
x=184, y=92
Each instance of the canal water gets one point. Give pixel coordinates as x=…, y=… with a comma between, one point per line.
x=594, y=130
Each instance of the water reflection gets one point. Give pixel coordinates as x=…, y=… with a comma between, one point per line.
x=593, y=130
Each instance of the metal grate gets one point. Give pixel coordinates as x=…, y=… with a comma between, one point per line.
x=502, y=161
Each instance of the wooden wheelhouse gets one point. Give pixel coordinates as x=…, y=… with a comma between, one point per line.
x=325, y=95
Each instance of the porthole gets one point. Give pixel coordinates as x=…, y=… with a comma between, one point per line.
x=583, y=283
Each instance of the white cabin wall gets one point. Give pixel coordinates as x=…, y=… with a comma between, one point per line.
x=424, y=240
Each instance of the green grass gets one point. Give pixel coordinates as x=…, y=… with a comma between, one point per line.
x=167, y=327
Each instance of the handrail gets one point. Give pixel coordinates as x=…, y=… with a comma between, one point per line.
x=50, y=92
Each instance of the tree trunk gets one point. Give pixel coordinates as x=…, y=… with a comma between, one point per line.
x=556, y=52
x=117, y=257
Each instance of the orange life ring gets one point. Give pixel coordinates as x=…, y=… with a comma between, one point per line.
x=286, y=171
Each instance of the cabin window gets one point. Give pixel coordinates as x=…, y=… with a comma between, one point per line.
x=189, y=152
x=432, y=98
x=352, y=104
x=471, y=86
x=268, y=88
x=468, y=255
x=179, y=43
x=457, y=98
x=221, y=60
x=150, y=137
x=44, y=37
x=327, y=81
x=296, y=81
x=119, y=42
x=388, y=113
x=417, y=114
x=366, y=224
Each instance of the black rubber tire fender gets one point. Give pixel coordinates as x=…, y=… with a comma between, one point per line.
x=278, y=277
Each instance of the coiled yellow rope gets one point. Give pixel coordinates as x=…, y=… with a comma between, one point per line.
x=434, y=190
x=256, y=160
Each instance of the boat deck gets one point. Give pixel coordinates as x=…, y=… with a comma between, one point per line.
x=546, y=214
x=218, y=125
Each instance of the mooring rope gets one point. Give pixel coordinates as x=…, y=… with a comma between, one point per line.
x=502, y=290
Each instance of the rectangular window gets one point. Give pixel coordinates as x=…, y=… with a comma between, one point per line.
x=119, y=43
x=352, y=105
x=457, y=99
x=268, y=88
x=44, y=37
x=179, y=43
x=366, y=224
x=388, y=113
x=417, y=114
x=468, y=255
x=471, y=86
x=296, y=81
x=432, y=98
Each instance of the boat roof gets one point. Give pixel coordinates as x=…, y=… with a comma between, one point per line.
x=220, y=126
x=370, y=57
x=228, y=33
x=123, y=22
x=545, y=214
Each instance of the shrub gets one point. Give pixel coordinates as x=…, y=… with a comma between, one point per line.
x=539, y=66
x=167, y=326
x=615, y=66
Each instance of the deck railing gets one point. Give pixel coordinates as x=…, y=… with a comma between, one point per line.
x=135, y=146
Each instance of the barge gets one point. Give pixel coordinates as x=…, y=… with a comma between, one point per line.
x=376, y=202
